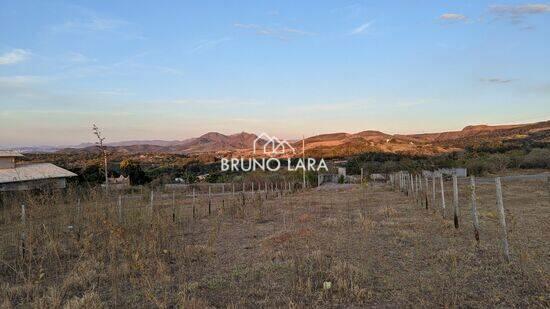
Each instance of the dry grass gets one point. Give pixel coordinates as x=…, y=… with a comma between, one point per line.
x=314, y=248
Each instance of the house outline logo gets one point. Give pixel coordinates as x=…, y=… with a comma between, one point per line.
x=278, y=146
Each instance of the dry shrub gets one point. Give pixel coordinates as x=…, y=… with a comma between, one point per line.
x=387, y=212
x=88, y=300
x=196, y=253
x=348, y=280
x=15, y=293
x=330, y=222
x=303, y=218
x=83, y=276
x=191, y=303
x=366, y=223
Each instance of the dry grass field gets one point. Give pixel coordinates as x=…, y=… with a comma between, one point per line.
x=339, y=246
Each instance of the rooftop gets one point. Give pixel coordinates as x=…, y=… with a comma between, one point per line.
x=10, y=153
x=33, y=171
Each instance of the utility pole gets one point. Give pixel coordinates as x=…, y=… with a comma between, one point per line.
x=100, y=145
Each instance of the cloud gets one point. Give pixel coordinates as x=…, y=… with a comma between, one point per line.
x=94, y=24
x=361, y=28
x=495, y=80
x=452, y=17
x=283, y=34
x=209, y=44
x=14, y=56
x=78, y=58
x=516, y=14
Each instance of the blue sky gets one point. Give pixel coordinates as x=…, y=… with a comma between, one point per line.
x=178, y=69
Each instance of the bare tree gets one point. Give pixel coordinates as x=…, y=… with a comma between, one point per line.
x=103, y=149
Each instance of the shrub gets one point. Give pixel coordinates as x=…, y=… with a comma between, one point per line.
x=537, y=158
x=498, y=162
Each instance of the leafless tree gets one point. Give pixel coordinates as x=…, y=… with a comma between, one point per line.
x=103, y=149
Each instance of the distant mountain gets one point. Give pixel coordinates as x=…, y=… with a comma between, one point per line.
x=138, y=142
x=345, y=144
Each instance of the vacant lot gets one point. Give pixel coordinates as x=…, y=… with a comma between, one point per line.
x=340, y=246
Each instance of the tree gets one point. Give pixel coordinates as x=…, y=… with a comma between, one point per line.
x=100, y=145
x=132, y=169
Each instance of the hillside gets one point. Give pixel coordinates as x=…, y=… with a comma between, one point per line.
x=344, y=144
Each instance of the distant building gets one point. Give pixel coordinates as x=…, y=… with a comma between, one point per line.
x=377, y=177
x=18, y=176
x=457, y=171
x=119, y=180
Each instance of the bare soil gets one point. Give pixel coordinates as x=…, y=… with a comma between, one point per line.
x=344, y=246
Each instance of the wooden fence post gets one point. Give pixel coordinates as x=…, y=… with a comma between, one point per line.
x=193, y=203
x=173, y=206
x=433, y=190
x=119, y=206
x=23, y=233
x=209, y=200
x=474, y=208
x=411, y=185
x=426, y=192
x=151, y=203
x=442, y=196
x=455, y=201
x=502, y=219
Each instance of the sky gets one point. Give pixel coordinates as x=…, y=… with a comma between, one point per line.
x=177, y=69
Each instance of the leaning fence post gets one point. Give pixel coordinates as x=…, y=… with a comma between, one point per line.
x=502, y=219
x=455, y=201
x=474, y=207
x=442, y=195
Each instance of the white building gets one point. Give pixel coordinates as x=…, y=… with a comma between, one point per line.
x=457, y=171
x=17, y=176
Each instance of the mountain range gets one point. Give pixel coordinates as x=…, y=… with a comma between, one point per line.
x=342, y=144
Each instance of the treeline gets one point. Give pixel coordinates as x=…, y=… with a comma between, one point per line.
x=159, y=169
x=478, y=161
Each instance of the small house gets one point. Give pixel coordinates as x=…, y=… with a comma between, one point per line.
x=18, y=176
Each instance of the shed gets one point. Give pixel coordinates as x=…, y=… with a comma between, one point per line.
x=17, y=176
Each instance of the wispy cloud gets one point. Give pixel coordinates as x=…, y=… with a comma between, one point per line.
x=78, y=58
x=362, y=28
x=452, y=17
x=14, y=56
x=496, y=80
x=209, y=44
x=283, y=34
x=94, y=24
x=516, y=14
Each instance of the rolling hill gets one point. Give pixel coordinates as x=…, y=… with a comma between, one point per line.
x=344, y=144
